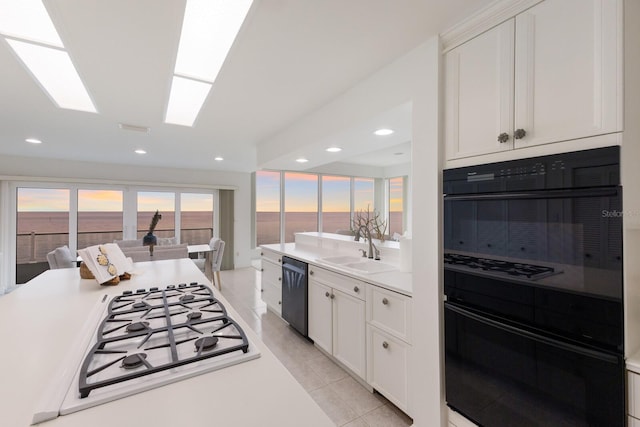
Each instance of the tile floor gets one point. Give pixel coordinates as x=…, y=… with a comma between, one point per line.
x=342, y=398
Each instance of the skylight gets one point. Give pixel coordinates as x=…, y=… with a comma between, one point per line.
x=209, y=29
x=28, y=20
x=29, y=31
x=55, y=72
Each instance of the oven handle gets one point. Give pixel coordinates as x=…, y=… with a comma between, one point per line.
x=546, y=194
x=536, y=337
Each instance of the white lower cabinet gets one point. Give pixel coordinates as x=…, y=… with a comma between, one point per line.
x=337, y=318
x=388, y=365
x=633, y=398
x=272, y=281
x=389, y=344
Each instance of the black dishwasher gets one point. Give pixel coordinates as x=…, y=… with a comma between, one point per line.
x=294, y=294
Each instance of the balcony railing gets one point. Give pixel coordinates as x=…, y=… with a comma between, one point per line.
x=33, y=247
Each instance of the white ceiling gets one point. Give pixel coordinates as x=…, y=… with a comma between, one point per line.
x=290, y=58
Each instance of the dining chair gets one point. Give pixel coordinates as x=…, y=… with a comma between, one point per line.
x=61, y=258
x=212, y=258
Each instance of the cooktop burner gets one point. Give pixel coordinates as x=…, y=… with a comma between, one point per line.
x=149, y=331
x=529, y=271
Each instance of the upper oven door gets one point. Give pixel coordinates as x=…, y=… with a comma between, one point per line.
x=576, y=234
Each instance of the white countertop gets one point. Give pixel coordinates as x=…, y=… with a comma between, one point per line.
x=41, y=319
x=395, y=280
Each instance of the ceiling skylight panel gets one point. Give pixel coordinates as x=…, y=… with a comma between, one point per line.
x=28, y=20
x=208, y=31
x=185, y=100
x=56, y=74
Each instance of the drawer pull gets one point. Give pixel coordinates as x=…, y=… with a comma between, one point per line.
x=385, y=301
x=261, y=290
x=279, y=279
x=332, y=296
x=356, y=289
x=261, y=253
x=326, y=294
x=310, y=272
x=279, y=260
x=262, y=269
x=385, y=344
x=280, y=302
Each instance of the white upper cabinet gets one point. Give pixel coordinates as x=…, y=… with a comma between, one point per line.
x=551, y=74
x=567, y=71
x=479, y=94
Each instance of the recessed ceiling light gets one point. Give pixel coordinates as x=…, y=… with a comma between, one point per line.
x=302, y=160
x=334, y=149
x=219, y=159
x=140, y=151
x=33, y=141
x=383, y=132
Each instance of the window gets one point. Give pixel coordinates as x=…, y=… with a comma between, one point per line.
x=99, y=217
x=148, y=203
x=336, y=203
x=300, y=203
x=363, y=194
x=396, y=205
x=196, y=218
x=267, y=207
x=42, y=224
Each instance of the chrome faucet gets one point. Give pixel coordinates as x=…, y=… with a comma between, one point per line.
x=367, y=235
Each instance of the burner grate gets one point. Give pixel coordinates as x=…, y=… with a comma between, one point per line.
x=529, y=271
x=149, y=331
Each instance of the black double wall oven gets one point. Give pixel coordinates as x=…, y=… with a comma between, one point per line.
x=533, y=291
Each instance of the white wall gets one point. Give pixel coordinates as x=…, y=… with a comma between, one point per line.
x=26, y=168
x=411, y=78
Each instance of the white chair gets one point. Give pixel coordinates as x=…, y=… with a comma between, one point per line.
x=213, y=259
x=61, y=258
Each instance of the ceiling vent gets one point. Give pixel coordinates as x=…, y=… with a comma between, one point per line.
x=134, y=128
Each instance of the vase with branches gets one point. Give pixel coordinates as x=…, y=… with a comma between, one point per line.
x=150, y=239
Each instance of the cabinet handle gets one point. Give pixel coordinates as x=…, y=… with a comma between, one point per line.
x=503, y=137
x=326, y=294
x=385, y=301
x=279, y=279
x=356, y=289
x=261, y=290
x=310, y=272
x=385, y=344
x=279, y=302
x=262, y=269
x=332, y=296
x=519, y=133
x=261, y=253
x=279, y=260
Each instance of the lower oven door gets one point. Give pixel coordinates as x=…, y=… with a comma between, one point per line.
x=501, y=375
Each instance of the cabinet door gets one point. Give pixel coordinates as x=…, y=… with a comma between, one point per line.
x=388, y=366
x=479, y=93
x=349, y=332
x=272, y=296
x=320, y=318
x=568, y=70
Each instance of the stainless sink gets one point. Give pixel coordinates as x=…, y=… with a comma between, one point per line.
x=340, y=260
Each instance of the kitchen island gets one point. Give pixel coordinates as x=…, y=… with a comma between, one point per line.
x=40, y=323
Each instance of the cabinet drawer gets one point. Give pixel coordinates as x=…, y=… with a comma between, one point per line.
x=272, y=273
x=348, y=285
x=389, y=311
x=274, y=257
x=388, y=366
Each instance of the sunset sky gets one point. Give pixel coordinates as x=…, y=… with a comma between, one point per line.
x=57, y=200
